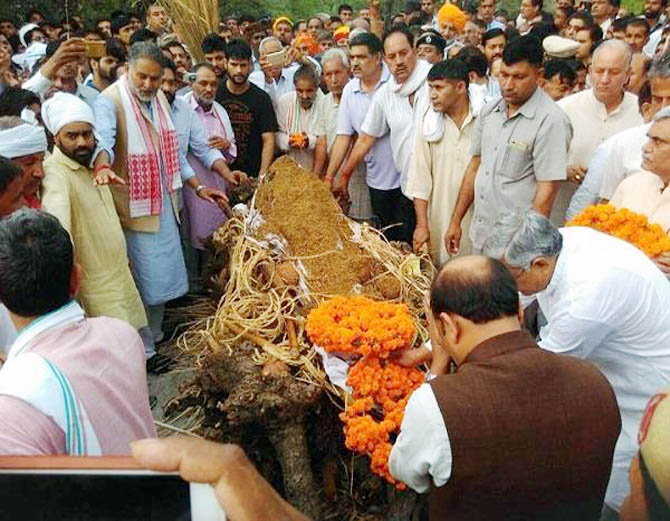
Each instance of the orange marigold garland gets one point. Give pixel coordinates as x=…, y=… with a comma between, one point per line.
x=627, y=225
x=361, y=326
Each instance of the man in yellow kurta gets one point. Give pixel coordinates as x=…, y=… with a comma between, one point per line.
x=441, y=155
x=87, y=212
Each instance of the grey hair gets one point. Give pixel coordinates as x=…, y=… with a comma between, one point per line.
x=360, y=23
x=7, y=122
x=521, y=236
x=618, y=45
x=335, y=54
x=148, y=50
x=662, y=114
x=660, y=67
x=267, y=40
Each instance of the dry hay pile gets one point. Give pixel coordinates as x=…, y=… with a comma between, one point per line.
x=291, y=250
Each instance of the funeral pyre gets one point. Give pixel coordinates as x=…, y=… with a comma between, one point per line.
x=260, y=381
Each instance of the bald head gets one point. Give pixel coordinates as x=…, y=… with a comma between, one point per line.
x=477, y=288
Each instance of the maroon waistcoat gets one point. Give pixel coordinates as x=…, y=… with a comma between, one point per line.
x=532, y=435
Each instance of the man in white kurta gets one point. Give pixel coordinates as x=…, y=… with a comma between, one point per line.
x=597, y=114
x=301, y=121
x=604, y=301
x=441, y=156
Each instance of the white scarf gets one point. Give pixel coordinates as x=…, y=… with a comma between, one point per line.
x=146, y=162
x=432, y=122
x=22, y=141
x=414, y=82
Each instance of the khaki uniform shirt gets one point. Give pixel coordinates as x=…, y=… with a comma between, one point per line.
x=515, y=153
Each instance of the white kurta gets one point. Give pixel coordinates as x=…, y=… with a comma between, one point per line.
x=591, y=126
x=293, y=119
x=435, y=175
x=609, y=304
x=645, y=193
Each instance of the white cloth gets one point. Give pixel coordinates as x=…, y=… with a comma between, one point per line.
x=416, y=463
x=293, y=119
x=7, y=330
x=62, y=109
x=277, y=88
x=624, y=158
x=25, y=29
x=33, y=379
x=27, y=59
x=391, y=113
x=609, y=304
x=22, y=141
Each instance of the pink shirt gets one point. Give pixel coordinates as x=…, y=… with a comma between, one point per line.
x=103, y=358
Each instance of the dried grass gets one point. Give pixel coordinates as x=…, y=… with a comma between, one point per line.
x=193, y=20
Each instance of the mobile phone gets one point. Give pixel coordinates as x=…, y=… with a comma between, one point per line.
x=108, y=488
x=277, y=59
x=95, y=48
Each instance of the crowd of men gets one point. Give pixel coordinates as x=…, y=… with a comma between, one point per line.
x=468, y=132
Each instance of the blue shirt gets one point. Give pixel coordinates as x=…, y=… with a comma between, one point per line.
x=381, y=171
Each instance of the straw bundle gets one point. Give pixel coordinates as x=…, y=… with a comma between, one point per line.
x=193, y=20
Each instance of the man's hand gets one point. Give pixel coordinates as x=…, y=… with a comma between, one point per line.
x=214, y=196
x=663, y=262
x=298, y=140
x=240, y=490
x=413, y=357
x=106, y=176
x=420, y=239
x=576, y=174
x=340, y=190
x=452, y=237
x=218, y=142
x=72, y=50
x=266, y=67
x=236, y=177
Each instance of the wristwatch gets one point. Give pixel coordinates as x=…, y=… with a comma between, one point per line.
x=198, y=189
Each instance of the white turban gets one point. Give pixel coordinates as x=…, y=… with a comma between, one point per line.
x=24, y=30
x=23, y=140
x=62, y=109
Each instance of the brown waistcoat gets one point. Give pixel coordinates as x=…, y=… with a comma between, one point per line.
x=120, y=192
x=532, y=435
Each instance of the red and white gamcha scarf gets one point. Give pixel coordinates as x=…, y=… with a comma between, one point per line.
x=145, y=162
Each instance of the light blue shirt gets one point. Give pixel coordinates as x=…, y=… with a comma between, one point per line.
x=277, y=88
x=105, y=124
x=382, y=173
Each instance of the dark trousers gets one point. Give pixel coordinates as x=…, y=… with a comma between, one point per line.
x=395, y=211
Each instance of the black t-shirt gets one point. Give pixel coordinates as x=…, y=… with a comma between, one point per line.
x=251, y=115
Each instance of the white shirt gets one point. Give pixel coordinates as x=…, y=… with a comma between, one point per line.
x=292, y=119
x=277, y=88
x=609, y=304
x=416, y=463
x=591, y=126
x=391, y=113
x=624, y=159
x=7, y=330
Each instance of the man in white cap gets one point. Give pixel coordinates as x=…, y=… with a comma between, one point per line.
x=22, y=148
x=87, y=212
x=33, y=40
x=25, y=145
